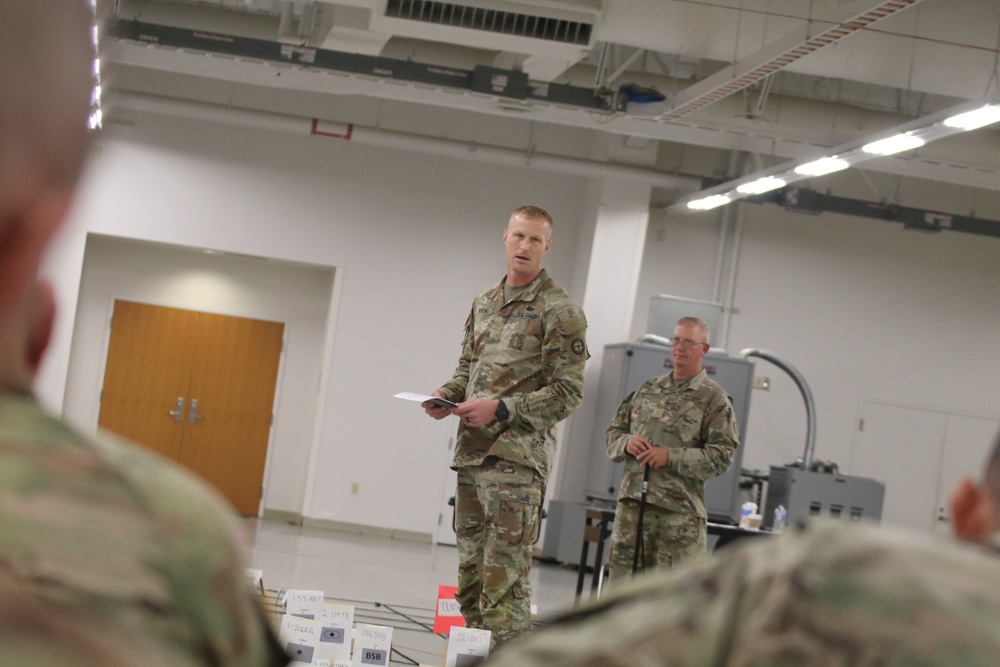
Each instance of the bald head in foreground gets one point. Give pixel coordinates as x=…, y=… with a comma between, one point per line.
x=108, y=556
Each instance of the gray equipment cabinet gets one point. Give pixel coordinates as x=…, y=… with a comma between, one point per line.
x=805, y=493
x=624, y=367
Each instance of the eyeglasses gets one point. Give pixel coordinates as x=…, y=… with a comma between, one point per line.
x=683, y=343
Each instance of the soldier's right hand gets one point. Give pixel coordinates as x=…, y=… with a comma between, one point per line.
x=436, y=411
x=637, y=444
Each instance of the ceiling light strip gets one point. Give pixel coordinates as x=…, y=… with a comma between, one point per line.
x=906, y=137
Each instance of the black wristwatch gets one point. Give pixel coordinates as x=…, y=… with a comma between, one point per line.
x=502, y=414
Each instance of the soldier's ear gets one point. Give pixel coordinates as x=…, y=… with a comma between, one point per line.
x=971, y=512
x=28, y=220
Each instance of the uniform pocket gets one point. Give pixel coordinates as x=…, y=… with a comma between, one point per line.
x=517, y=523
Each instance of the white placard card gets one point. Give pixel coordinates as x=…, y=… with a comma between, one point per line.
x=336, y=623
x=307, y=604
x=298, y=636
x=467, y=646
x=372, y=644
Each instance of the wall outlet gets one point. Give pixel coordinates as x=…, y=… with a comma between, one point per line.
x=354, y=488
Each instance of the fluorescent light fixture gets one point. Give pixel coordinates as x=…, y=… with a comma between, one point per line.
x=897, y=143
x=971, y=120
x=96, y=117
x=908, y=136
x=761, y=185
x=821, y=167
x=707, y=203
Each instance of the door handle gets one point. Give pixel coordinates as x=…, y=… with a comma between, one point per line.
x=193, y=415
x=178, y=412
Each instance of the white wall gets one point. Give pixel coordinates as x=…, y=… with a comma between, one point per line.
x=413, y=239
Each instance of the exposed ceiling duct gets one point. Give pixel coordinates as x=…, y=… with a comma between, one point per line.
x=814, y=35
x=805, y=200
x=498, y=20
x=835, y=70
x=398, y=140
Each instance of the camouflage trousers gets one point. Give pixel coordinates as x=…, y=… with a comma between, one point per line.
x=497, y=507
x=668, y=539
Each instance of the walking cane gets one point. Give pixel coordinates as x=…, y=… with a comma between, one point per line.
x=639, y=544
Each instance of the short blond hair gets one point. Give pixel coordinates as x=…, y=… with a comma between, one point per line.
x=696, y=322
x=532, y=213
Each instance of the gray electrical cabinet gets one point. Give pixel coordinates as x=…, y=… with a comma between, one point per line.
x=805, y=493
x=624, y=367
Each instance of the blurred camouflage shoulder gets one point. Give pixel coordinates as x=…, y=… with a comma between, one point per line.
x=833, y=595
x=101, y=528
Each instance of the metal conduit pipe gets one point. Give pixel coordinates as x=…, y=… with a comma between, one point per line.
x=400, y=140
x=653, y=338
x=807, y=456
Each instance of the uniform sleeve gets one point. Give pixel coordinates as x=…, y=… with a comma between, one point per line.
x=564, y=353
x=720, y=438
x=661, y=618
x=620, y=430
x=202, y=566
x=454, y=389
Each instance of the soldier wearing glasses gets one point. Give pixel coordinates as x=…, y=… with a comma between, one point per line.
x=676, y=430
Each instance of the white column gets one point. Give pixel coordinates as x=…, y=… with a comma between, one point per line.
x=609, y=300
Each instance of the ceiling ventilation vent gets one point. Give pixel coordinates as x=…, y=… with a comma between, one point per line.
x=491, y=20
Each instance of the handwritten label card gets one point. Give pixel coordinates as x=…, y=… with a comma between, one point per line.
x=336, y=622
x=372, y=644
x=307, y=604
x=467, y=646
x=447, y=614
x=298, y=636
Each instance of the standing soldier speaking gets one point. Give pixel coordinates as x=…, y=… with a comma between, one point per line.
x=520, y=373
x=675, y=431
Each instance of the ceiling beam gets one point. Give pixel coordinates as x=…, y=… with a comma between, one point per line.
x=812, y=36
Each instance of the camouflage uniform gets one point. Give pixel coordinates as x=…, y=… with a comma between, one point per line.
x=693, y=418
x=530, y=352
x=838, y=595
x=123, y=556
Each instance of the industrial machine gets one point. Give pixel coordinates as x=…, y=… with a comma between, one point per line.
x=803, y=488
x=808, y=493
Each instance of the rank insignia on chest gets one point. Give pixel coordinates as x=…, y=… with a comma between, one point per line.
x=517, y=341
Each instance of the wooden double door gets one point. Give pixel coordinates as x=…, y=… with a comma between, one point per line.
x=197, y=388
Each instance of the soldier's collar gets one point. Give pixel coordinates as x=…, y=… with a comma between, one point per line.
x=693, y=382
x=529, y=291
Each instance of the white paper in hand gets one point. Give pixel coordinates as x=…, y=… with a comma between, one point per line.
x=421, y=398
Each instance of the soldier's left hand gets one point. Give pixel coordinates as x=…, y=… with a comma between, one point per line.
x=476, y=411
x=654, y=457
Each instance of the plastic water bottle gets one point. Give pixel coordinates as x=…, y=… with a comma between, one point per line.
x=748, y=508
x=780, y=519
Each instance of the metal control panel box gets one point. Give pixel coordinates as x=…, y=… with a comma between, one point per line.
x=624, y=367
x=805, y=493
